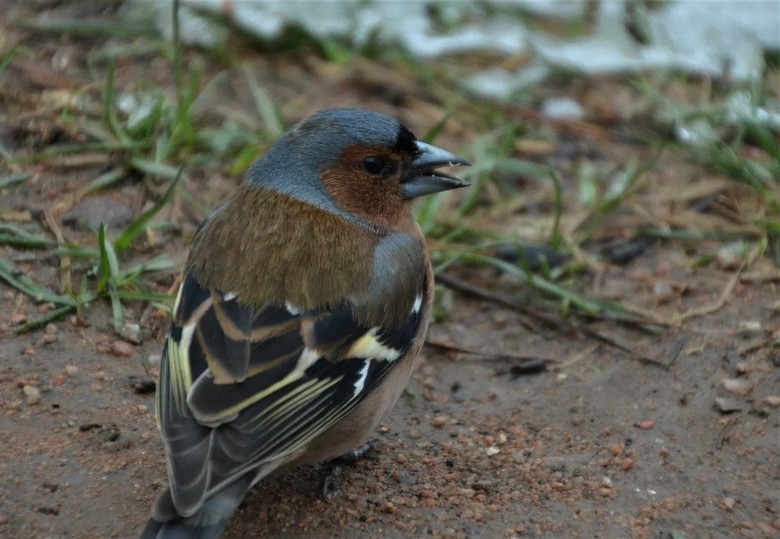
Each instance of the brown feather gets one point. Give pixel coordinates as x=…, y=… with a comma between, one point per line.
x=268, y=247
x=320, y=260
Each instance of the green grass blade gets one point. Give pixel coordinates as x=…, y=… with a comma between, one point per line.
x=13, y=179
x=15, y=278
x=41, y=321
x=109, y=263
x=138, y=226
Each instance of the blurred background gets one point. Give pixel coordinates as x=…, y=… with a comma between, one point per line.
x=605, y=355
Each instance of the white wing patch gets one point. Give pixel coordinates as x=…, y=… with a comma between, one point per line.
x=360, y=382
x=369, y=347
x=417, y=304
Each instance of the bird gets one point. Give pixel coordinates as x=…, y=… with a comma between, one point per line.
x=302, y=310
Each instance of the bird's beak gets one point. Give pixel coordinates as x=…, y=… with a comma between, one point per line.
x=424, y=179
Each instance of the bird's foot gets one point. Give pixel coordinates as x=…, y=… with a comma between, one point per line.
x=330, y=482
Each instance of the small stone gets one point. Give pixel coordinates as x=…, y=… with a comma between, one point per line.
x=606, y=482
x=738, y=386
x=483, y=485
x=627, y=464
x=727, y=406
x=646, y=424
x=729, y=502
x=562, y=108
x=439, y=421
x=749, y=327
x=467, y=492
x=662, y=289
x=33, y=394
x=492, y=450
x=729, y=257
x=773, y=401
x=50, y=329
x=18, y=318
x=122, y=349
x=71, y=370
x=131, y=332
x=30, y=351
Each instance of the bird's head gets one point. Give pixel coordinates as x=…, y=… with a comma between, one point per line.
x=358, y=162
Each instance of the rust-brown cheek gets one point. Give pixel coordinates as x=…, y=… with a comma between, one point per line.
x=377, y=199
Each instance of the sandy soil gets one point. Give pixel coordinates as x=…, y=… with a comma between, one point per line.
x=598, y=444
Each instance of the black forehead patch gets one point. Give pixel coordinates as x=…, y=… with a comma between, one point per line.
x=406, y=141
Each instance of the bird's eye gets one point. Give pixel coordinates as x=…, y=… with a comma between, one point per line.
x=374, y=165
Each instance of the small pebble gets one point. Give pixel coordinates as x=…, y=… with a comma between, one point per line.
x=439, y=421
x=727, y=406
x=122, y=349
x=729, y=502
x=562, y=108
x=131, y=332
x=71, y=370
x=773, y=401
x=33, y=394
x=646, y=424
x=50, y=329
x=492, y=450
x=18, y=318
x=738, y=386
x=729, y=257
x=749, y=327
x=661, y=288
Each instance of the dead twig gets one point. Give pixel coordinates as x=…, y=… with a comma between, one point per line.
x=678, y=347
x=725, y=295
x=520, y=358
x=65, y=266
x=526, y=312
x=476, y=291
x=593, y=334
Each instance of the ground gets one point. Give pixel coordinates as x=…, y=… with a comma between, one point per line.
x=620, y=432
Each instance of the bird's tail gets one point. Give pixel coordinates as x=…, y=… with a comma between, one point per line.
x=208, y=523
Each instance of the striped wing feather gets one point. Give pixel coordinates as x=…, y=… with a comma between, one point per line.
x=241, y=388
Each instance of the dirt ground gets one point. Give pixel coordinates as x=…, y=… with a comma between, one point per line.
x=601, y=443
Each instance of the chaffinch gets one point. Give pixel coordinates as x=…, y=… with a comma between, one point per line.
x=302, y=310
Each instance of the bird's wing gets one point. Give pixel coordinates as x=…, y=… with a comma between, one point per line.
x=243, y=387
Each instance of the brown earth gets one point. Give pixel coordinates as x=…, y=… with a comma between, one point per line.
x=601, y=443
